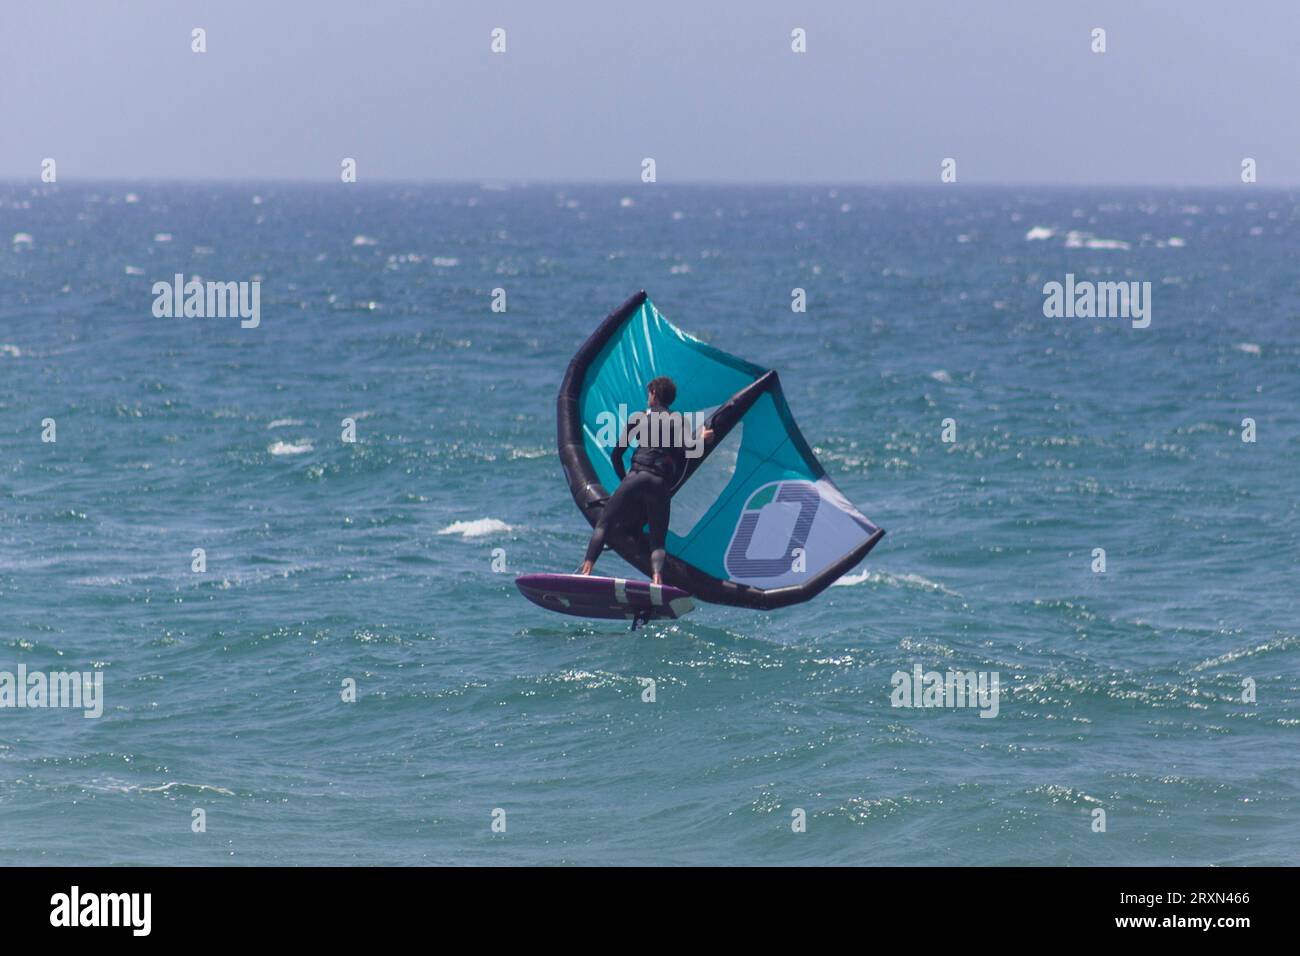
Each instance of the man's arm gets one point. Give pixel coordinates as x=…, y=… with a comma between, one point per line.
x=617, y=452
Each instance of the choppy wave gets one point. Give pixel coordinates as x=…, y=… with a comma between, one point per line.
x=893, y=580
x=477, y=528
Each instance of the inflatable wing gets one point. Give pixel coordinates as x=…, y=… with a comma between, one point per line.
x=755, y=521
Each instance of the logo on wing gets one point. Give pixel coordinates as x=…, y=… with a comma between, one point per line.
x=773, y=525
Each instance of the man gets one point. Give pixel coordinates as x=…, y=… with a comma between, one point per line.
x=645, y=494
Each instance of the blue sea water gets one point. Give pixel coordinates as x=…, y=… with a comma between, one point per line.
x=373, y=561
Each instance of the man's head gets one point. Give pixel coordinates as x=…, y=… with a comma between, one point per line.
x=661, y=391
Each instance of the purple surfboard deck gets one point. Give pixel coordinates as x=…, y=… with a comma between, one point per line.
x=613, y=598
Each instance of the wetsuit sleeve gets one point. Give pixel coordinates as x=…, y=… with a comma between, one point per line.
x=706, y=446
x=616, y=456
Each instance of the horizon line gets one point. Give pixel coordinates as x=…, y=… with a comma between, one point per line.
x=489, y=181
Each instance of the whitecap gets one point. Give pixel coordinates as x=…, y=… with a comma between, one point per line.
x=1119, y=244
x=289, y=448
x=113, y=785
x=1086, y=240
x=894, y=580
x=851, y=579
x=477, y=528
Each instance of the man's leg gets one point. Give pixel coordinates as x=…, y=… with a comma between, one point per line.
x=616, y=511
x=658, y=508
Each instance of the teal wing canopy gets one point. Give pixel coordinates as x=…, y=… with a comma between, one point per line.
x=755, y=521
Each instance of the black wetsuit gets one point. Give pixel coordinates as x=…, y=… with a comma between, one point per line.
x=642, y=496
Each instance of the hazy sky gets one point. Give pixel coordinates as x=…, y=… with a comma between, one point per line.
x=710, y=90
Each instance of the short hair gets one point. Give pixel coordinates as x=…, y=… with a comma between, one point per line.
x=663, y=389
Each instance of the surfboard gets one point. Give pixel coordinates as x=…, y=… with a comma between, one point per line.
x=612, y=598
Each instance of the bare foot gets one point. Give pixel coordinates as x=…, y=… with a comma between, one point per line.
x=586, y=567
x=657, y=579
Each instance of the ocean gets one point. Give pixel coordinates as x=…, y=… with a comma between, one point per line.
x=1162, y=691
